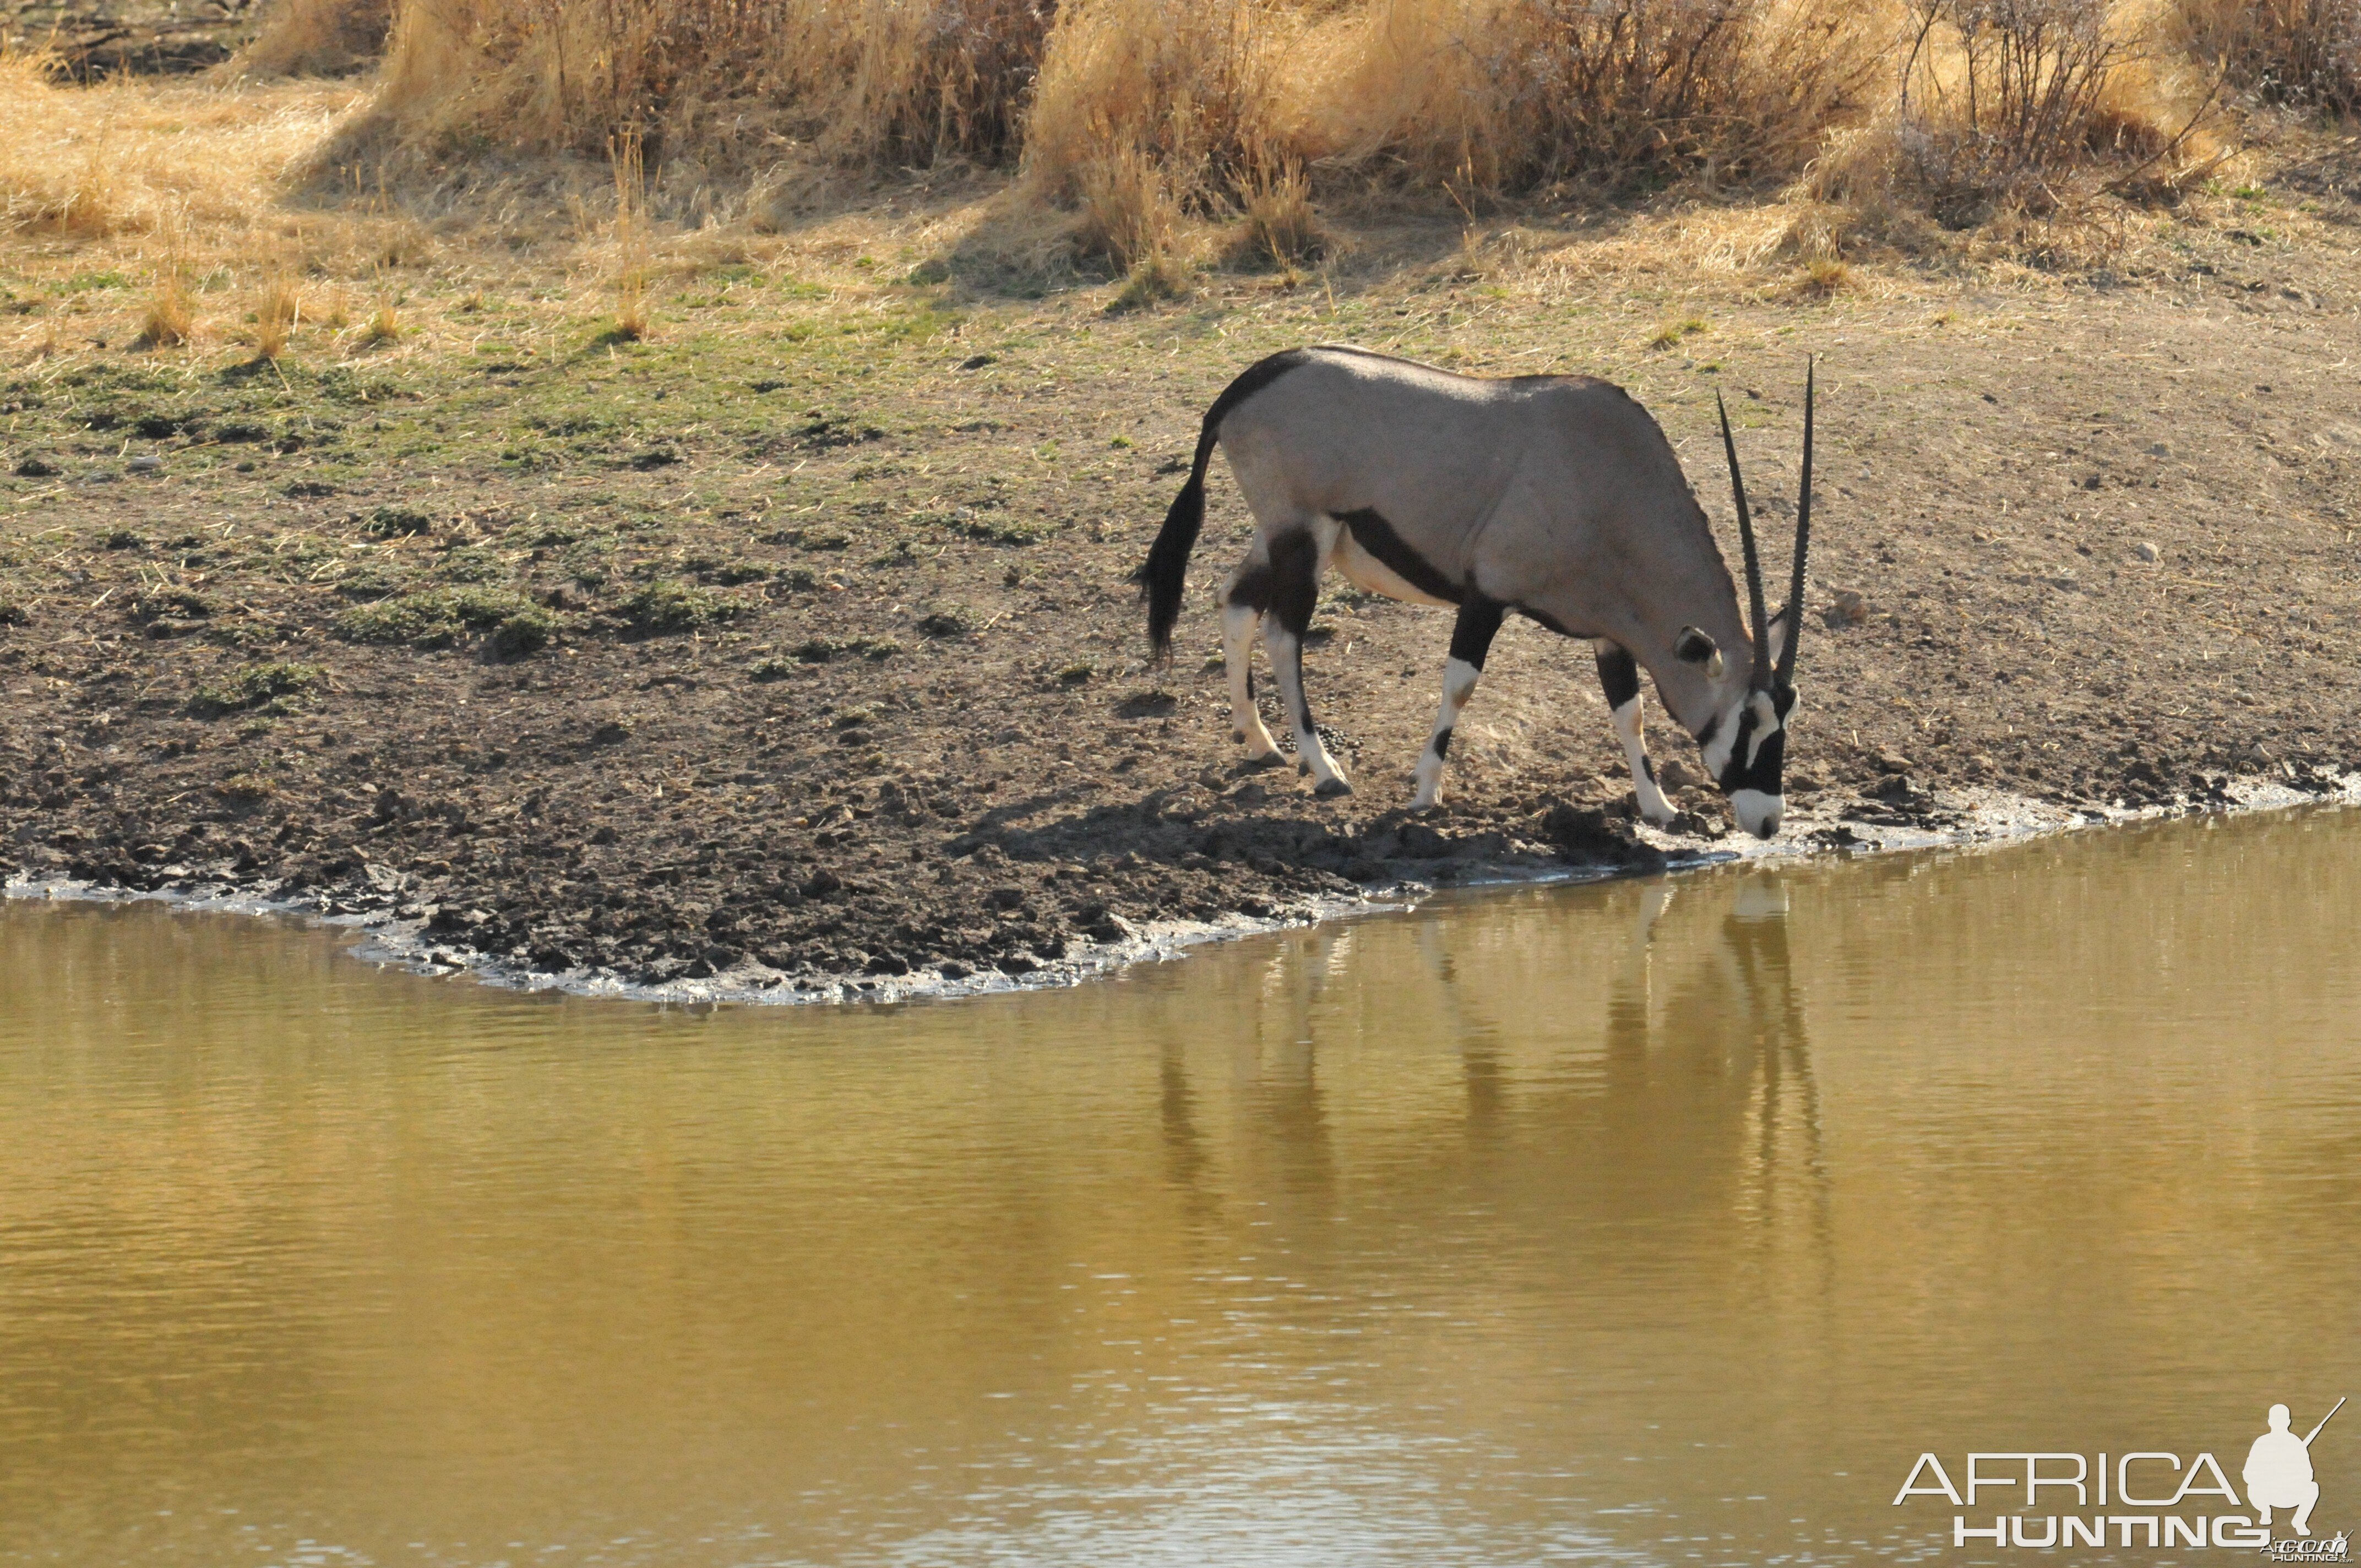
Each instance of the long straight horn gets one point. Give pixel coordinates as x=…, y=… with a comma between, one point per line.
x=1803, y=542
x=1760, y=677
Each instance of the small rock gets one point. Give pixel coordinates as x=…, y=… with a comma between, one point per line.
x=1111, y=928
x=1673, y=773
x=2160, y=449
x=1419, y=842
x=1849, y=609
x=146, y=465
x=2146, y=552
x=1891, y=763
x=1250, y=794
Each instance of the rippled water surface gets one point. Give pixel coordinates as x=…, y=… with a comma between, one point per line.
x=1660, y=1222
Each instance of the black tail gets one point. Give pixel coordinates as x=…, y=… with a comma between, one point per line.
x=1165, y=573
x=1164, y=576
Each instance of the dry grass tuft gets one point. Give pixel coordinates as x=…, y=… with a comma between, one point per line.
x=1672, y=334
x=1195, y=88
x=625, y=154
x=276, y=317
x=316, y=37
x=170, y=319
x=1820, y=278
x=1157, y=278
x=1281, y=226
x=1128, y=214
x=383, y=326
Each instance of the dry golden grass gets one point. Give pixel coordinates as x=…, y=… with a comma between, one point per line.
x=1155, y=139
x=1505, y=96
x=887, y=81
x=2300, y=52
x=134, y=158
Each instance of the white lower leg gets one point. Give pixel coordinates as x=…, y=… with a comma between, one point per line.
x=1287, y=663
x=1653, y=804
x=1237, y=660
x=1459, y=679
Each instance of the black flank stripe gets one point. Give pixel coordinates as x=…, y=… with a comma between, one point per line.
x=1373, y=533
x=1548, y=621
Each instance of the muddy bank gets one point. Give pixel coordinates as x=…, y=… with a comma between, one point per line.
x=411, y=935
x=811, y=651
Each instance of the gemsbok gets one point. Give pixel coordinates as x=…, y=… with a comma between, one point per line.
x=1555, y=497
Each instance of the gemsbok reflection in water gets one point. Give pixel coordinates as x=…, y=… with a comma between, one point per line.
x=1642, y=1069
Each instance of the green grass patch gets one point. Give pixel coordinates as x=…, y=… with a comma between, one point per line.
x=438, y=618
x=820, y=649
x=256, y=687
x=665, y=606
x=397, y=522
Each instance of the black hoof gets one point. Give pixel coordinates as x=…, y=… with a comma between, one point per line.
x=1333, y=788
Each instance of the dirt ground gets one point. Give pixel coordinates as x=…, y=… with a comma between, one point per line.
x=797, y=641
x=95, y=38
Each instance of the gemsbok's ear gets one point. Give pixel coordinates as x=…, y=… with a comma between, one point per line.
x=1775, y=642
x=1694, y=647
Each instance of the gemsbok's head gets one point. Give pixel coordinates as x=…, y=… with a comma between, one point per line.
x=1745, y=741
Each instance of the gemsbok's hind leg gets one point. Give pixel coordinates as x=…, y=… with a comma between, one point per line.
x=1471, y=639
x=1618, y=676
x=1238, y=623
x=1294, y=587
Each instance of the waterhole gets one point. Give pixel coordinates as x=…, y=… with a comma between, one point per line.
x=1662, y=1220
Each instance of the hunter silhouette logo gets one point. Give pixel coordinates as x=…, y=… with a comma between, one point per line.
x=2279, y=1470
x=2147, y=1498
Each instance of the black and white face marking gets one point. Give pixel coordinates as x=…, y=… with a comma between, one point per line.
x=1746, y=749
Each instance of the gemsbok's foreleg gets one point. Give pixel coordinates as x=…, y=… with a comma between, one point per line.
x=1294, y=588
x=1471, y=641
x=1618, y=675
